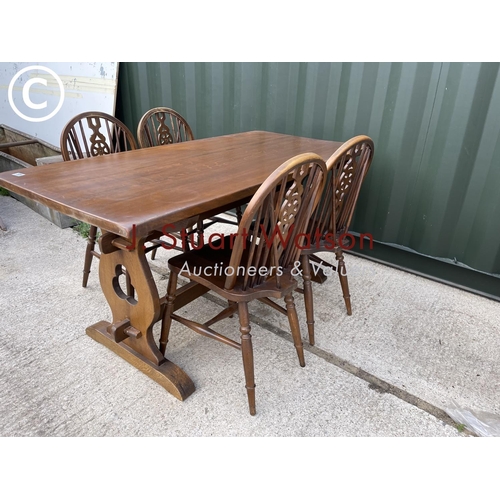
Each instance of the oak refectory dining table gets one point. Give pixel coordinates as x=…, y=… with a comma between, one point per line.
x=132, y=196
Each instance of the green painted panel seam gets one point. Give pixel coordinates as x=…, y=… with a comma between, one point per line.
x=428, y=127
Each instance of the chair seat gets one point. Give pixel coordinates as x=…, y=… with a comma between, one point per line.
x=215, y=258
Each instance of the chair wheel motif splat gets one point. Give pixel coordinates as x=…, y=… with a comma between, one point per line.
x=256, y=263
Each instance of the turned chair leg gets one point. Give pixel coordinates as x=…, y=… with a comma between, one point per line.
x=169, y=309
x=343, y=279
x=247, y=354
x=88, y=254
x=153, y=253
x=294, y=326
x=308, y=297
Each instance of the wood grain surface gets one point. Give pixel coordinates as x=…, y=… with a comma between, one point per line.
x=146, y=189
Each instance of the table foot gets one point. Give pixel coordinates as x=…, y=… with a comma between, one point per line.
x=167, y=374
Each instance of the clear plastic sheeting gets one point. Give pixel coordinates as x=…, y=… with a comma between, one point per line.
x=482, y=423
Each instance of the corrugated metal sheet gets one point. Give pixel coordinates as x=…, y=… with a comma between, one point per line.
x=434, y=183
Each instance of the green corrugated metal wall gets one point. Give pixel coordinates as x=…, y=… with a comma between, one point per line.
x=433, y=186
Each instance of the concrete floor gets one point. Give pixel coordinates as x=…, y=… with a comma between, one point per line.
x=411, y=348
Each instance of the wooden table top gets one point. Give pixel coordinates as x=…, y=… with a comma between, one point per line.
x=152, y=187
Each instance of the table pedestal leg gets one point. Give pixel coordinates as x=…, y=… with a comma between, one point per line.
x=130, y=334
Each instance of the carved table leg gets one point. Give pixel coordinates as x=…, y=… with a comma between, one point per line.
x=130, y=335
